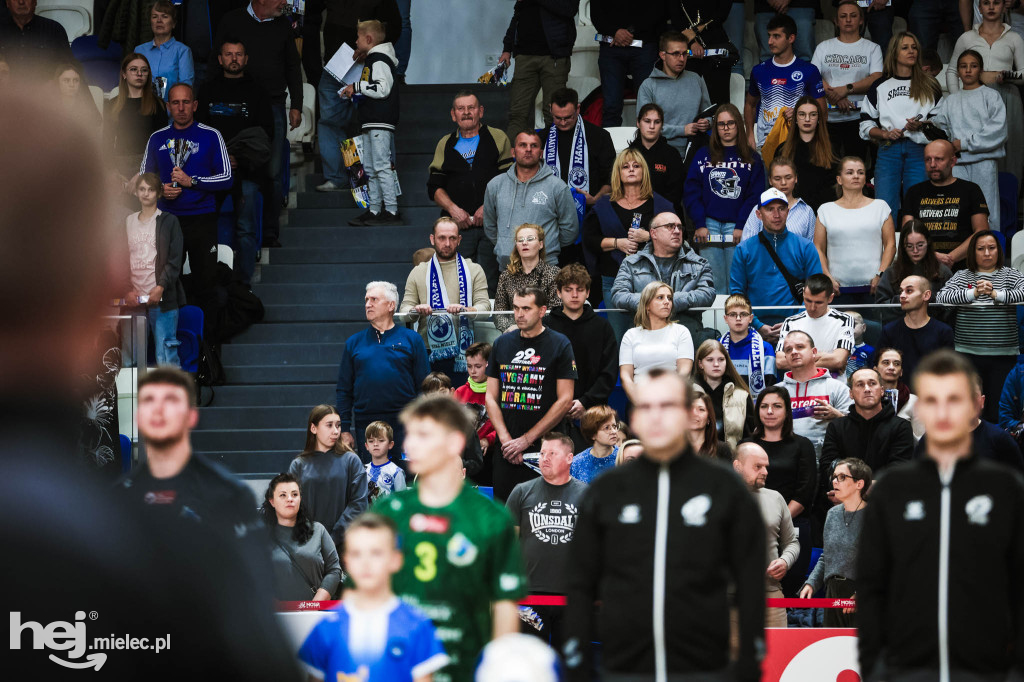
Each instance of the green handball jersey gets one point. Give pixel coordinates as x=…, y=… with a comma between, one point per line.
x=458, y=560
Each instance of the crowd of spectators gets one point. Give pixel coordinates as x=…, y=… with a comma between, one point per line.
x=791, y=205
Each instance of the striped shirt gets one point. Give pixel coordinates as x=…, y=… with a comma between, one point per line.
x=985, y=326
x=801, y=221
x=832, y=330
x=779, y=86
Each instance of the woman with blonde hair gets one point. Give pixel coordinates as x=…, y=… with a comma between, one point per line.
x=655, y=341
x=331, y=476
x=617, y=225
x=716, y=376
x=527, y=267
x=893, y=115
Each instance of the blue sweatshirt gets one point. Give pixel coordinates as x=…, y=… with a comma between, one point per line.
x=208, y=165
x=755, y=274
x=380, y=373
x=721, y=190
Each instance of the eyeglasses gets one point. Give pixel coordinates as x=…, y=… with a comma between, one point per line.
x=738, y=316
x=726, y=124
x=677, y=54
x=919, y=246
x=137, y=69
x=671, y=227
x=525, y=240
x=842, y=478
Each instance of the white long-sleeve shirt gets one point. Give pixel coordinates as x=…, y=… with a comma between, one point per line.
x=1005, y=54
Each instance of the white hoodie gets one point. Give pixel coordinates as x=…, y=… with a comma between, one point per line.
x=803, y=397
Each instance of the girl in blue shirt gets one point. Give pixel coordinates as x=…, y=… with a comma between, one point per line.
x=600, y=426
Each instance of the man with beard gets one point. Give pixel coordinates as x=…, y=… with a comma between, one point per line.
x=464, y=162
x=233, y=103
x=440, y=288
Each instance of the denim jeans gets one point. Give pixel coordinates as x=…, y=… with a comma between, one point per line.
x=164, y=328
x=899, y=167
x=735, y=26
x=804, y=45
x=927, y=18
x=620, y=322
x=615, y=63
x=403, y=47
x=335, y=118
x=383, y=181
x=719, y=256
x=246, y=231
x=880, y=26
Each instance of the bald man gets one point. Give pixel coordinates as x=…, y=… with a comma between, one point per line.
x=783, y=546
x=666, y=257
x=916, y=334
x=953, y=209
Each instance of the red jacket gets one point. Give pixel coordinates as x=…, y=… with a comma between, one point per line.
x=464, y=394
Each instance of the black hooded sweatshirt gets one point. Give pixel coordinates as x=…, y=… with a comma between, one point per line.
x=597, y=353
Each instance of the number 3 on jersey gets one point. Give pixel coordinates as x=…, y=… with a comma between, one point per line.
x=426, y=570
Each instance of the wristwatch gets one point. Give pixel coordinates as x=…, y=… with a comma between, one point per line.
x=849, y=87
x=879, y=273
x=195, y=182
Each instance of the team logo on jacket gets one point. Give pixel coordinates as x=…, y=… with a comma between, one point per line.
x=630, y=514
x=797, y=76
x=695, y=510
x=977, y=510
x=461, y=552
x=725, y=183
x=540, y=198
x=914, y=510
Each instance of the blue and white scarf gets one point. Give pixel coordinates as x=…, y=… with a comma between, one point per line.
x=756, y=378
x=578, y=178
x=445, y=342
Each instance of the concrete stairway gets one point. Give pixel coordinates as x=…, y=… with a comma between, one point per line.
x=313, y=289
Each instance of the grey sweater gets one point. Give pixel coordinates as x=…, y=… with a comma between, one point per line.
x=682, y=99
x=839, y=556
x=315, y=565
x=782, y=540
x=333, y=489
x=542, y=200
x=978, y=119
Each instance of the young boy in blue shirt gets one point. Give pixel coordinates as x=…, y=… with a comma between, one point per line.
x=372, y=635
x=753, y=358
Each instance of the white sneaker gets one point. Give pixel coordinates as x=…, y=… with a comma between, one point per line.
x=328, y=187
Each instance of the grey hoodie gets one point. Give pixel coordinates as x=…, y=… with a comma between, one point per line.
x=542, y=200
x=681, y=98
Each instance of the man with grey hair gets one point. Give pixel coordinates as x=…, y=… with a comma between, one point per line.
x=751, y=463
x=381, y=371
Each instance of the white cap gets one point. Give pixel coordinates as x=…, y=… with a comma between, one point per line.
x=771, y=194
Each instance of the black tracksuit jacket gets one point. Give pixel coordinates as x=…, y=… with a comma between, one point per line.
x=658, y=545
x=939, y=572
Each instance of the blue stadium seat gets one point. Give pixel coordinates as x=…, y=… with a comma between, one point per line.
x=102, y=67
x=1008, y=223
x=190, y=329
x=126, y=454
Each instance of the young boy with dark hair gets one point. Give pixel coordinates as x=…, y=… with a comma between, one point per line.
x=378, y=113
x=385, y=476
x=352, y=641
x=436, y=382
x=474, y=392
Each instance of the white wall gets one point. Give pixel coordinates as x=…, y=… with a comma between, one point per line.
x=455, y=41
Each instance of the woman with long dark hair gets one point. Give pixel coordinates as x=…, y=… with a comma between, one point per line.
x=131, y=117
x=810, y=147
x=893, y=115
x=334, y=481
x=724, y=176
x=303, y=555
x=663, y=162
x=914, y=256
x=986, y=321
x=792, y=470
x=703, y=432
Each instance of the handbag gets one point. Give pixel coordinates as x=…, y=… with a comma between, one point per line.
x=796, y=287
x=291, y=557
